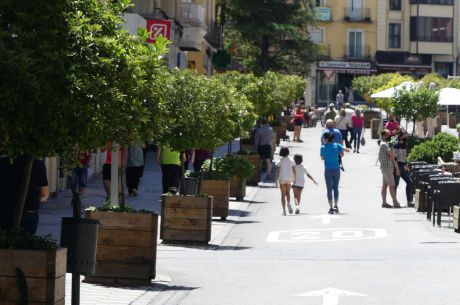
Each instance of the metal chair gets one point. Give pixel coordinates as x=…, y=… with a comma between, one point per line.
x=433, y=187
x=447, y=195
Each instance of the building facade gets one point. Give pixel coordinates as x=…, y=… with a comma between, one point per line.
x=189, y=25
x=347, y=34
x=418, y=37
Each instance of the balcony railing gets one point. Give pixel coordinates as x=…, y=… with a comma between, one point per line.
x=431, y=38
x=214, y=35
x=357, y=52
x=191, y=14
x=353, y=14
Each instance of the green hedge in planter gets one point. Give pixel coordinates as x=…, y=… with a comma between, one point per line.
x=125, y=208
x=442, y=145
x=21, y=240
x=223, y=168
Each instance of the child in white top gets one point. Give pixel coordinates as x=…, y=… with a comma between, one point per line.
x=299, y=182
x=285, y=173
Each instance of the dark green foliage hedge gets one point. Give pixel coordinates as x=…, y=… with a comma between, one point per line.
x=442, y=145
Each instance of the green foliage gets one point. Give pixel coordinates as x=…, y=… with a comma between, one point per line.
x=272, y=35
x=106, y=207
x=442, y=145
x=365, y=86
x=435, y=78
x=26, y=241
x=457, y=126
x=229, y=166
x=417, y=103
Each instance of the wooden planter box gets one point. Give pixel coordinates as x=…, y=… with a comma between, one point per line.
x=248, y=148
x=456, y=218
x=280, y=133
x=44, y=276
x=443, y=116
x=126, y=248
x=186, y=218
x=220, y=192
x=238, y=188
x=452, y=121
x=255, y=160
x=375, y=124
x=368, y=118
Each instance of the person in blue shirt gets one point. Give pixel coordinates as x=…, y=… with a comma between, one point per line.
x=330, y=127
x=331, y=153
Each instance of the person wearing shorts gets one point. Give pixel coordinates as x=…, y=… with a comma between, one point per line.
x=388, y=165
x=299, y=181
x=79, y=176
x=285, y=173
x=263, y=140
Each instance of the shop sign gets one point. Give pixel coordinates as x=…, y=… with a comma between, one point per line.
x=323, y=14
x=344, y=65
x=158, y=28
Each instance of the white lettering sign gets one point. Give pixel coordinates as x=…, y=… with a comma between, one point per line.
x=344, y=65
x=325, y=235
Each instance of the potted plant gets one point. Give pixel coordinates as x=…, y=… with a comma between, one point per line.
x=239, y=170
x=126, y=246
x=32, y=269
x=255, y=160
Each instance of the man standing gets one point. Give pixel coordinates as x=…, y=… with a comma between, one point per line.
x=349, y=114
x=388, y=164
x=330, y=113
x=339, y=99
x=263, y=140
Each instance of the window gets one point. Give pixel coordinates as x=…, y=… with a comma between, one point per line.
x=355, y=44
x=431, y=29
x=394, y=35
x=442, y=2
x=317, y=36
x=443, y=68
x=395, y=5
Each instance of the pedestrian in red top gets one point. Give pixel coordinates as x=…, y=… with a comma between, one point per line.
x=358, y=128
x=392, y=125
x=298, y=118
x=79, y=176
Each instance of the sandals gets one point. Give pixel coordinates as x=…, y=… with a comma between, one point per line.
x=386, y=205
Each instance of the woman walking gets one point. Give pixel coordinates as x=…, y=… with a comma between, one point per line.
x=297, y=119
x=400, y=151
x=299, y=181
x=285, y=173
x=134, y=168
x=358, y=129
x=330, y=153
x=341, y=123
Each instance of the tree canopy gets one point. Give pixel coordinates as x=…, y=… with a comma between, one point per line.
x=272, y=34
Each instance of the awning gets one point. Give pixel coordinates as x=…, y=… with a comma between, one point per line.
x=403, y=66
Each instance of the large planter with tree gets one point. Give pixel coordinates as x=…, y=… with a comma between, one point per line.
x=452, y=120
x=186, y=218
x=126, y=247
x=255, y=160
x=239, y=169
x=32, y=270
x=369, y=116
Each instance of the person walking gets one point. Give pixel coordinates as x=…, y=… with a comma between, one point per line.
x=170, y=168
x=358, y=128
x=388, y=165
x=400, y=152
x=392, y=125
x=339, y=99
x=285, y=173
x=299, y=181
x=330, y=153
x=79, y=175
x=298, y=118
x=330, y=128
x=107, y=169
x=263, y=141
x=330, y=113
x=199, y=156
x=349, y=112
x=134, y=168
x=342, y=123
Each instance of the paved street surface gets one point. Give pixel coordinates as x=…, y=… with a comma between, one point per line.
x=366, y=255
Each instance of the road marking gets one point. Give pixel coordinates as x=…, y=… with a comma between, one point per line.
x=331, y=295
x=325, y=235
x=326, y=218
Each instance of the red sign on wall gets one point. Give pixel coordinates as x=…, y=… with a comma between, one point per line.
x=158, y=28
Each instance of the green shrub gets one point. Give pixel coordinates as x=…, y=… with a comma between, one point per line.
x=26, y=241
x=442, y=145
x=224, y=168
x=106, y=207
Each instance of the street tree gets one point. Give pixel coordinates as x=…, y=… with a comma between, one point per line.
x=272, y=34
x=416, y=104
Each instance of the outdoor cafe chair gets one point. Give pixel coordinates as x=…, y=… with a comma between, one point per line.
x=447, y=195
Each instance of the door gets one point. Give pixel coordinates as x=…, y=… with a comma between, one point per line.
x=355, y=44
x=355, y=10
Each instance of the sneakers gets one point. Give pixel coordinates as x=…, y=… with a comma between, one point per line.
x=410, y=205
x=336, y=210
x=297, y=211
x=331, y=211
x=284, y=212
x=289, y=208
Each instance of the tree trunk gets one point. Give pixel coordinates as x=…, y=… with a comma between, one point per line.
x=122, y=176
x=182, y=174
x=22, y=191
x=413, y=127
x=263, y=58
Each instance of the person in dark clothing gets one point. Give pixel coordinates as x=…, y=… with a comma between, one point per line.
x=199, y=156
x=10, y=178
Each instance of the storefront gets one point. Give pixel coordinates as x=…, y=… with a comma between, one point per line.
x=332, y=76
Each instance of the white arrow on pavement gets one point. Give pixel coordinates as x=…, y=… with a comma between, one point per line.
x=331, y=295
x=326, y=218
